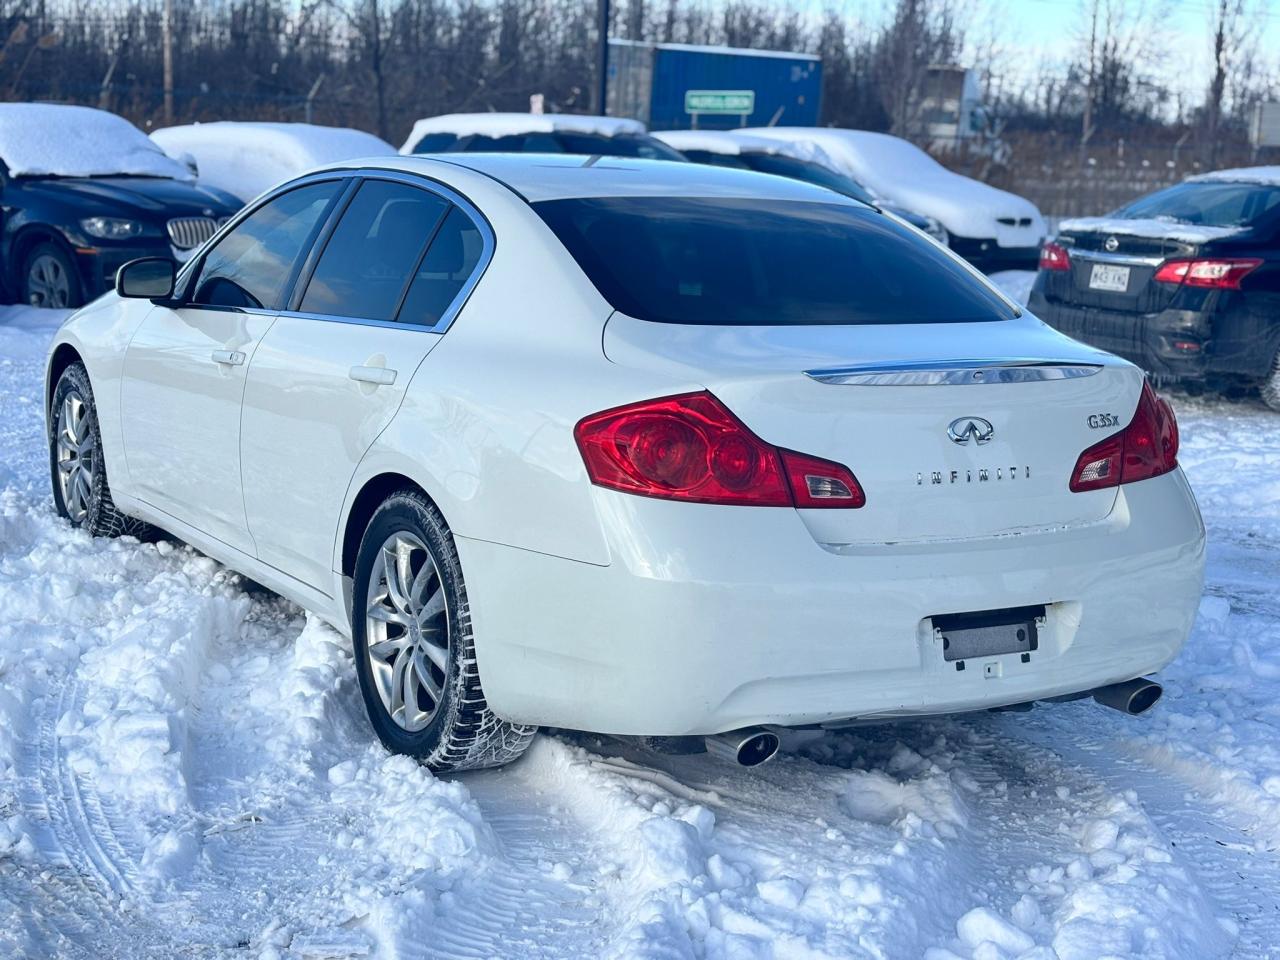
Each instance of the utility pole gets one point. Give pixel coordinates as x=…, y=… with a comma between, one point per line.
x=602, y=59
x=168, y=62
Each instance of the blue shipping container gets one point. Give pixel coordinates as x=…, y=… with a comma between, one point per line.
x=673, y=86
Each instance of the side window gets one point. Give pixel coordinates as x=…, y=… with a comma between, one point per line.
x=449, y=262
x=251, y=265
x=370, y=256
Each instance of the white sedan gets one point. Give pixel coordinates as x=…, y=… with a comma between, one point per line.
x=634, y=447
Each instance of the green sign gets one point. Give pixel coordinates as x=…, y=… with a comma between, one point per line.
x=719, y=101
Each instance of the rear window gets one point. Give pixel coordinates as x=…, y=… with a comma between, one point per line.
x=750, y=262
x=589, y=144
x=1210, y=204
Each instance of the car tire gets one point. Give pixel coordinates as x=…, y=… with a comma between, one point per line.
x=77, y=469
x=49, y=278
x=1270, y=386
x=414, y=649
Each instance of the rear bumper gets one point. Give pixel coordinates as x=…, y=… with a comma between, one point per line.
x=986, y=254
x=1186, y=344
x=714, y=618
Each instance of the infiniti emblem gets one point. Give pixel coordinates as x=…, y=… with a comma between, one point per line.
x=964, y=429
x=1111, y=245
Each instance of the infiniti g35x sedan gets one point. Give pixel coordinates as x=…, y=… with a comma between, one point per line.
x=641, y=448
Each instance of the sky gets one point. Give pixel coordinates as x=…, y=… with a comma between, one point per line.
x=1038, y=31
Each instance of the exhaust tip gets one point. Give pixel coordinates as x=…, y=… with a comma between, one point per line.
x=748, y=748
x=1133, y=697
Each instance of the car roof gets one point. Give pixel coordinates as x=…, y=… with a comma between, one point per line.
x=558, y=176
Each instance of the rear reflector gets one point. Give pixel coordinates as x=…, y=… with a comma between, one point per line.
x=1147, y=447
x=1219, y=274
x=1054, y=256
x=690, y=447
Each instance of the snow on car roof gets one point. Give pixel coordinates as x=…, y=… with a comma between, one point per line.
x=1267, y=176
x=513, y=124
x=732, y=143
x=1151, y=228
x=247, y=158
x=51, y=139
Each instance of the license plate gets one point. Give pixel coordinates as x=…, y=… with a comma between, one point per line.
x=1105, y=276
x=989, y=633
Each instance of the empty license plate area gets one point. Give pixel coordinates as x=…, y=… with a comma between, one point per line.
x=988, y=633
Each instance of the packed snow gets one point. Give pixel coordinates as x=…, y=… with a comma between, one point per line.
x=1155, y=229
x=513, y=124
x=732, y=143
x=905, y=175
x=1267, y=176
x=246, y=158
x=49, y=139
x=185, y=770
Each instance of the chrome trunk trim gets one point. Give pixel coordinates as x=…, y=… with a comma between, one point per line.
x=927, y=373
x=1128, y=259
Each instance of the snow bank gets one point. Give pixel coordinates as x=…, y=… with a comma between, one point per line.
x=905, y=175
x=247, y=158
x=1268, y=176
x=512, y=124
x=1155, y=229
x=1016, y=283
x=42, y=139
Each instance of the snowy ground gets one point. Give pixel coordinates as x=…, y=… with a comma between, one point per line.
x=185, y=771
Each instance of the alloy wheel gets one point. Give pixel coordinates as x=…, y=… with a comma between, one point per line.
x=47, y=282
x=407, y=630
x=77, y=456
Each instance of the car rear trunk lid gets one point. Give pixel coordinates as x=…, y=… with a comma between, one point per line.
x=908, y=409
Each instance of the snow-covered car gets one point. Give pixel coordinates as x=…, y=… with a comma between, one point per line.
x=605, y=444
x=84, y=191
x=992, y=229
x=246, y=158
x=536, y=133
x=799, y=161
x=1185, y=282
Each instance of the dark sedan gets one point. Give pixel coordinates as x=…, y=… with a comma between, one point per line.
x=82, y=192
x=1185, y=282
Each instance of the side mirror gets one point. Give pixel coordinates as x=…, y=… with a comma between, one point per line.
x=188, y=160
x=150, y=278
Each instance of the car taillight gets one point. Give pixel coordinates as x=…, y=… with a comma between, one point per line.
x=1054, y=256
x=1220, y=274
x=1146, y=448
x=691, y=448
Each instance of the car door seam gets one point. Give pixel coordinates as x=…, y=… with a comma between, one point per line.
x=244, y=389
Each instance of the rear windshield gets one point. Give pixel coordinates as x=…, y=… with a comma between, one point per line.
x=1211, y=204
x=809, y=172
x=749, y=262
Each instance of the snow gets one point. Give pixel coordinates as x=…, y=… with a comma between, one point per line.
x=1016, y=283
x=43, y=139
x=186, y=770
x=1155, y=229
x=905, y=175
x=246, y=158
x=1268, y=176
x=512, y=124
x=732, y=143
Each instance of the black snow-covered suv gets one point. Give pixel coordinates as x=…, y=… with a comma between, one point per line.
x=82, y=192
x=1185, y=282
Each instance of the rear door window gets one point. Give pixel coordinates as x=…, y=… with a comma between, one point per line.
x=450, y=261
x=755, y=262
x=371, y=255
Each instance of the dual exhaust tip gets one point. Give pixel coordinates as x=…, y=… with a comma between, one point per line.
x=752, y=746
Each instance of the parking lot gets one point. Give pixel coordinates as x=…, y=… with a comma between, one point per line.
x=187, y=772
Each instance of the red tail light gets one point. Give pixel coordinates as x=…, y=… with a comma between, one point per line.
x=692, y=448
x=1216, y=274
x=1054, y=256
x=1146, y=448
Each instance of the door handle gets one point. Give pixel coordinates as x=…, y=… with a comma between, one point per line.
x=383, y=376
x=230, y=358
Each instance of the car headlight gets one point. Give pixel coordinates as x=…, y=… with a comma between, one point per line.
x=111, y=228
x=936, y=230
